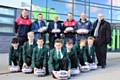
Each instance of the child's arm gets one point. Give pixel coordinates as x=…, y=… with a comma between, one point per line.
x=85, y=55
x=45, y=58
x=33, y=58
x=10, y=55
x=51, y=61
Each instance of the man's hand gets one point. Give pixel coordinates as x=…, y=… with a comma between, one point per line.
x=40, y=30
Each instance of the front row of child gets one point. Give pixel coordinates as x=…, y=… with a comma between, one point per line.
x=60, y=62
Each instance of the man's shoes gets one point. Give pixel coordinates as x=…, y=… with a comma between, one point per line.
x=98, y=64
x=103, y=66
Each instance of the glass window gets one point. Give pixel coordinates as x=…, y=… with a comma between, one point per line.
x=64, y=0
x=95, y=10
x=7, y=11
x=6, y=20
x=59, y=7
x=78, y=9
x=37, y=5
x=105, y=2
x=116, y=3
x=116, y=15
x=6, y=29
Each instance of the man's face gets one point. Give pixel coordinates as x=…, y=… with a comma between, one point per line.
x=90, y=41
x=15, y=45
x=40, y=42
x=100, y=17
x=30, y=36
x=70, y=17
x=58, y=46
x=69, y=46
x=55, y=18
x=40, y=17
x=82, y=16
x=25, y=14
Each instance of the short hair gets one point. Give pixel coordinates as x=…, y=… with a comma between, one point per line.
x=40, y=38
x=29, y=33
x=69, y=13
x=91, y=38
x=40, y=14
x=25, y=9
x=82, y=39
x=69, y=41
x=58, y=40
x=15, y=40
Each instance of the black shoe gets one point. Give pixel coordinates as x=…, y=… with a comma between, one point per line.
x=103, y=66
x=98, y=64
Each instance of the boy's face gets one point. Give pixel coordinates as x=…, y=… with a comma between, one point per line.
x=30, y=36
x=58, y=45
x=69, y=46
x=40, y=42
x=90, y=41
x=15, y=45
x=82, y=43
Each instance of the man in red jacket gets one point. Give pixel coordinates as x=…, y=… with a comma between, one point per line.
x=69, y=27
x=23, y=26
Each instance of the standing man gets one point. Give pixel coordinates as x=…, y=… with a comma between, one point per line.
x=55, y=28
x=84, y=27
x=69, y=28
x=23, y=26
x=102, y=34
x=39, y=27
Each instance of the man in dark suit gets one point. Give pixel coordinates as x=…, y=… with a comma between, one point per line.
x=55, y=29
x=102, y=34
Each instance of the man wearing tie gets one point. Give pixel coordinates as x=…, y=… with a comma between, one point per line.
x=55, y=29
x=102, y=34
x=39, y=27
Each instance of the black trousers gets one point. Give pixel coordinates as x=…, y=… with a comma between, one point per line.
x=101, y=53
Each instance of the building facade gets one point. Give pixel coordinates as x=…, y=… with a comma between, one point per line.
x=49, y=8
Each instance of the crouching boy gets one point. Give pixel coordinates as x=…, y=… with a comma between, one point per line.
x=82, y=55
x=27, y=53
x=59, y=62
x=15, y=56
x=91, y=53
x=75, y=68
x=39, y=58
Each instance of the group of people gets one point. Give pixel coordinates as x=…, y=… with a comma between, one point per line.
x=73, y=45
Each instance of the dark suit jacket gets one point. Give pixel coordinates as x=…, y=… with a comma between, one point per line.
x=104, y=32
x=51, y=27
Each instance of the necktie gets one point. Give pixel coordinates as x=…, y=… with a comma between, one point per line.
x=96, y=29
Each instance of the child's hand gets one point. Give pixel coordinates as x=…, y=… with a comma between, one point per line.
x=69, y=73
x=24, y=65
x=55, y=73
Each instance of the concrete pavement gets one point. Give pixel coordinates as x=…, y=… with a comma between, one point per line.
x=112, y=72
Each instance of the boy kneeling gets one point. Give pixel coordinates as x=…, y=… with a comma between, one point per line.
x=27, y=53
x=59, y=62
x=72, y=54
x=39, y=58
x=15, y=56
x=91, y=53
